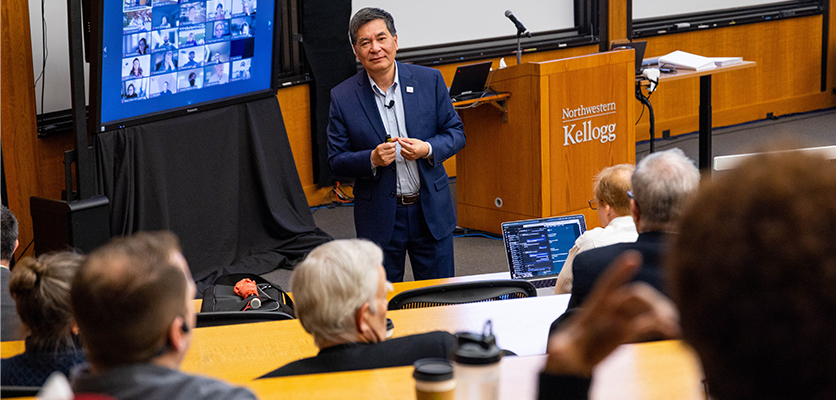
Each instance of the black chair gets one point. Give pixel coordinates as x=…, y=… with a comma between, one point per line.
x=9, y=392
x=217, y=318
x=460, y=293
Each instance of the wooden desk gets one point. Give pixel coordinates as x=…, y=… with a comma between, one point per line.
x=13, y=348
x=497, y=100
x=704, y=161
x=241, y=353
x=659, y=370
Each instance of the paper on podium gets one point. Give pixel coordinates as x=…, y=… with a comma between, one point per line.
x=683, y=60
x=723, y=61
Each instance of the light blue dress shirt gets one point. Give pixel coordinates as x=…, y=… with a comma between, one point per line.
x=409, y=182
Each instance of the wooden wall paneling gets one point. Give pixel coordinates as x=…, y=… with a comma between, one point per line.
x=786, y=79
x=295, y=102
x=618, y=20
x=34, y=167
x=545, y=103
x=831, y=49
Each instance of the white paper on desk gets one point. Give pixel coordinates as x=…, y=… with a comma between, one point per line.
x=723, y=61
x=683, y=60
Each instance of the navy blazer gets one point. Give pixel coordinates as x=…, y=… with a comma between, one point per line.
x=388, y=353
x=590, y=264
x=355, y=128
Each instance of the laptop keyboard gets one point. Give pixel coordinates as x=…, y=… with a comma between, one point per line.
x=544, y=283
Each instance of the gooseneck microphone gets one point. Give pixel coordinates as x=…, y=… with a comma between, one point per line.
x=390, y=105
x=520, y=28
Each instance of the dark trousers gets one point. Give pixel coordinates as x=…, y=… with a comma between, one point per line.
x=430, y=258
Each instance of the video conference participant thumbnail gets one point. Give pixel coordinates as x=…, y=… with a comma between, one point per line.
x=162, y=85
x=134, y=90
x=165, y=62
x=240, y=70
x=191, y=57
x=192, y=13
x=243, y=48
x=136, y=67
x=192, y=36
x=243, y=27
x=165, y=17
x=217, y=53
x=189, y=79
x=217, y=31
x=136, y=44
x=164, y=40
x=218, y=10
x=136, y=21
x=243, y=7
x=216, y=74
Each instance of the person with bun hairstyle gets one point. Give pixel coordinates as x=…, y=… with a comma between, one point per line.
x=41, y=290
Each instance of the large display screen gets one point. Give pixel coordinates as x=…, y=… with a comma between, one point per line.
x=162, y=55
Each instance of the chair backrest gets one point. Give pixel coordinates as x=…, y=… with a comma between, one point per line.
x=460, y=293
x=216, y=318
x=9, y=392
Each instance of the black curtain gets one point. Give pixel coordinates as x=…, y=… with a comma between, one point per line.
x=329, y=54
x=224, y=180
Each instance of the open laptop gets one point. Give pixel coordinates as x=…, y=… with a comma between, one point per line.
x=469, y=81
x=537, y=248
x=639, y=48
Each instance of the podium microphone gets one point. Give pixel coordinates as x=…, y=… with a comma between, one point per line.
x=520, y=28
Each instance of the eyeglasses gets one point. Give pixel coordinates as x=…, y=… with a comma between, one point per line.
x=593, y=204
x=630, y=195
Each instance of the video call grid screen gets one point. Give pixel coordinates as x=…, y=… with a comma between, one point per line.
x=166, y=54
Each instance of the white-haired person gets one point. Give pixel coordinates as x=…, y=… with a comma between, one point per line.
x=340, y=297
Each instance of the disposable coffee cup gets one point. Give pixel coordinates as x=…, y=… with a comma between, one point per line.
x=434, y=379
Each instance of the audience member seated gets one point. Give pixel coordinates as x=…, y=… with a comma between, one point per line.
x=616, y=312
x=662, y=183
x=752, y=275
x=133, y=303
x=340, y=297
x=10, y=325
x=41, y=289
x=617, y=226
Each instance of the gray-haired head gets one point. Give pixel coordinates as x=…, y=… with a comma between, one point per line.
x=662, y=184
x=366, y=15
x=9, y=233
x=332, y=284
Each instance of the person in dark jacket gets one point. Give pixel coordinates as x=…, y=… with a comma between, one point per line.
x=752, y=274
x=340, y=297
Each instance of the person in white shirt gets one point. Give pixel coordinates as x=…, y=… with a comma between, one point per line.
x=613, y=205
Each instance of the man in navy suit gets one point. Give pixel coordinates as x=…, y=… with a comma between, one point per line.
x=662, y=183
x=391, y=127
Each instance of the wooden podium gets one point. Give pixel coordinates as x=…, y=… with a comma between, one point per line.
x=566, y=121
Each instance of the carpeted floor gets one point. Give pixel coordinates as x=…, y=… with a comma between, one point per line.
x=479, y=255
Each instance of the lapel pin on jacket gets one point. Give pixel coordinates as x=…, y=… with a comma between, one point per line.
x=409, y=89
